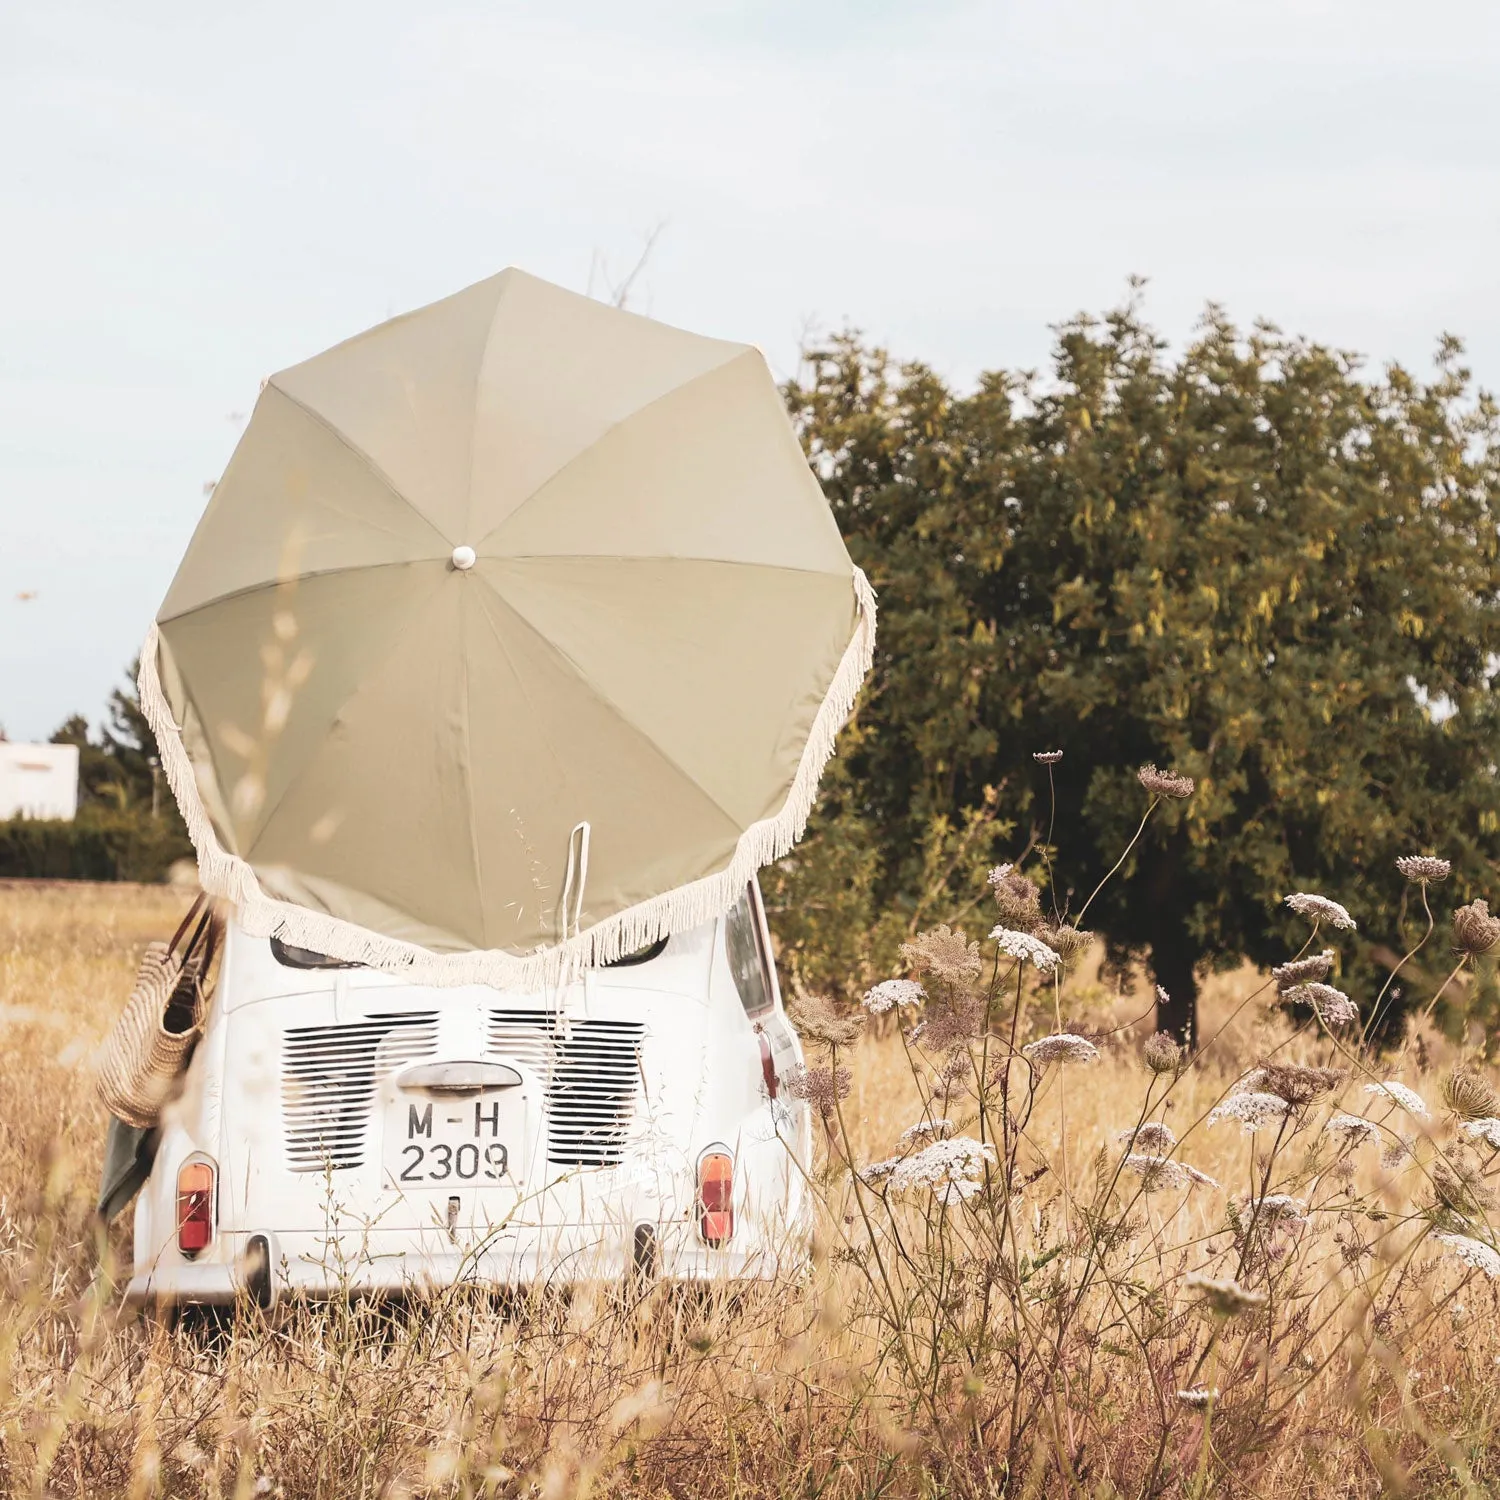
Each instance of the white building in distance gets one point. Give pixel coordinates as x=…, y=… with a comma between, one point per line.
x=38, y=781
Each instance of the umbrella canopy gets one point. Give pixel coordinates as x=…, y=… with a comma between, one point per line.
x=516, y=634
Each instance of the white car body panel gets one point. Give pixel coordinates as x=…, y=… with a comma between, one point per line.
x=626, y=1077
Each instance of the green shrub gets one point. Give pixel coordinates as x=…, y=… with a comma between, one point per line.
x=102, y=843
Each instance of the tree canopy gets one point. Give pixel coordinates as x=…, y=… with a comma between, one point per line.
x=1248, y=562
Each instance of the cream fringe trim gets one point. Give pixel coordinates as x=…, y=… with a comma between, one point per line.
x=227, y=875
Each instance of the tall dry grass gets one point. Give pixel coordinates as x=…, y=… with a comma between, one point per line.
x=1030, y=1337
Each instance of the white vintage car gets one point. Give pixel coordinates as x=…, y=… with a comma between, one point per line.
x=343, y=1130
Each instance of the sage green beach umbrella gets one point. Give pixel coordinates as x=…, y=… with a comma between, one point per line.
x=516, y=630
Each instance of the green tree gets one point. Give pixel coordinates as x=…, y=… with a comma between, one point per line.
x=1249, y=563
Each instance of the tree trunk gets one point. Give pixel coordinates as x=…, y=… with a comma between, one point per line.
x=1172, y=966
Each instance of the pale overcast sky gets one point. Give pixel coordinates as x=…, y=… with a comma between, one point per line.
x=194, y=196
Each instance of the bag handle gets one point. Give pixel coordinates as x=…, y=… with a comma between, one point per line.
x=193, y=911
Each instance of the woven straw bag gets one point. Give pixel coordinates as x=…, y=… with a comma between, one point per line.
x=143, y=1059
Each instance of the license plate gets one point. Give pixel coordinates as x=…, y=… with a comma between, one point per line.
x=434, y=1142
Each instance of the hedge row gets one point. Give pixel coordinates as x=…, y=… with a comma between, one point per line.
x=102, y=843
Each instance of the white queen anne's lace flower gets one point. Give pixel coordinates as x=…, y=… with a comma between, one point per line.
x=955, y=1190
x=878, y=1171
x=1486, y=1130
x=1321, y=909
x=1028, y=949
x=890, y=993
x=1277, y=1208
x=1062, y=1046
x=961, y=1158
x=1153, y=1136
x=1398, y=1093
x=1157, y=1173
x=1473, y=1253
x=1253, y=1110
x=1198, y=1396
x=1335, y=1007
x=1354, y=1128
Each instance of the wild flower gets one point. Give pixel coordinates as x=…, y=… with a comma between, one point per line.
x=877, y=1172
x=1398, y=1093
x=1162, y=1052
x=1424, y=869
x=924, y=1130
x=1321, y=909
x=1225, y=1297
x=1253, y=1110
x=953, y=1021
x=956, y=1190
x=1028, y=949
x=1198, y=1396
x=1303, y=970
x=1153, y=1135
x=945, y=956
x=1063, y=1046
x=1164, y=783
x=1486, y=1130
x=1475, y=931
x=820, y=1087
x=1404, y=1148
x=1018, y=900
x=1473, y=1253
x=942, y=1162
x=1334, y=1006
x=890, y=993
x=1046, y=757
x=1354, y=1128
x=1202, y=1179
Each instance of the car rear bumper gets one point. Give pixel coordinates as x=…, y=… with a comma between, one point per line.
x=299, y=1269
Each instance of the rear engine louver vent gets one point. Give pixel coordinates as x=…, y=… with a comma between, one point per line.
x=329, y=1075
x=591, y=1071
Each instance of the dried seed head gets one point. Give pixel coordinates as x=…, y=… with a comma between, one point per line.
x=1017, y=899
x=1046, y=757
x=1424, y=869
x=820, y=1087
x=1299, y=1085
x=1469, y=1095
x=1162, y=1053
x=817, y=1020
x=1475, y=931
x=1164, y=783
x=1275, y=1210
x=952, y=1021
x=945, y=956
x=1321, y=910
x=1157, y=1173
x=1303, y=970
x=1459, y=1188
x=1403, y=1149
x=1228, y=1299
x=1067, y=942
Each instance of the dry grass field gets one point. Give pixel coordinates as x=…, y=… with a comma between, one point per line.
x=1015, y=1314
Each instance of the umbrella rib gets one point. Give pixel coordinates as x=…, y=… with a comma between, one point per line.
x=364, y=458
x=746, y=352
x=484, y=925
x=602, y=697
x=281, y=583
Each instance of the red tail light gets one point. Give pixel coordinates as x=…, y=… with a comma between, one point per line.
x=715, y=1197
x=195, y=1206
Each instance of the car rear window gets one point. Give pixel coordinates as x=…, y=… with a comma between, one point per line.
x=747, y=960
